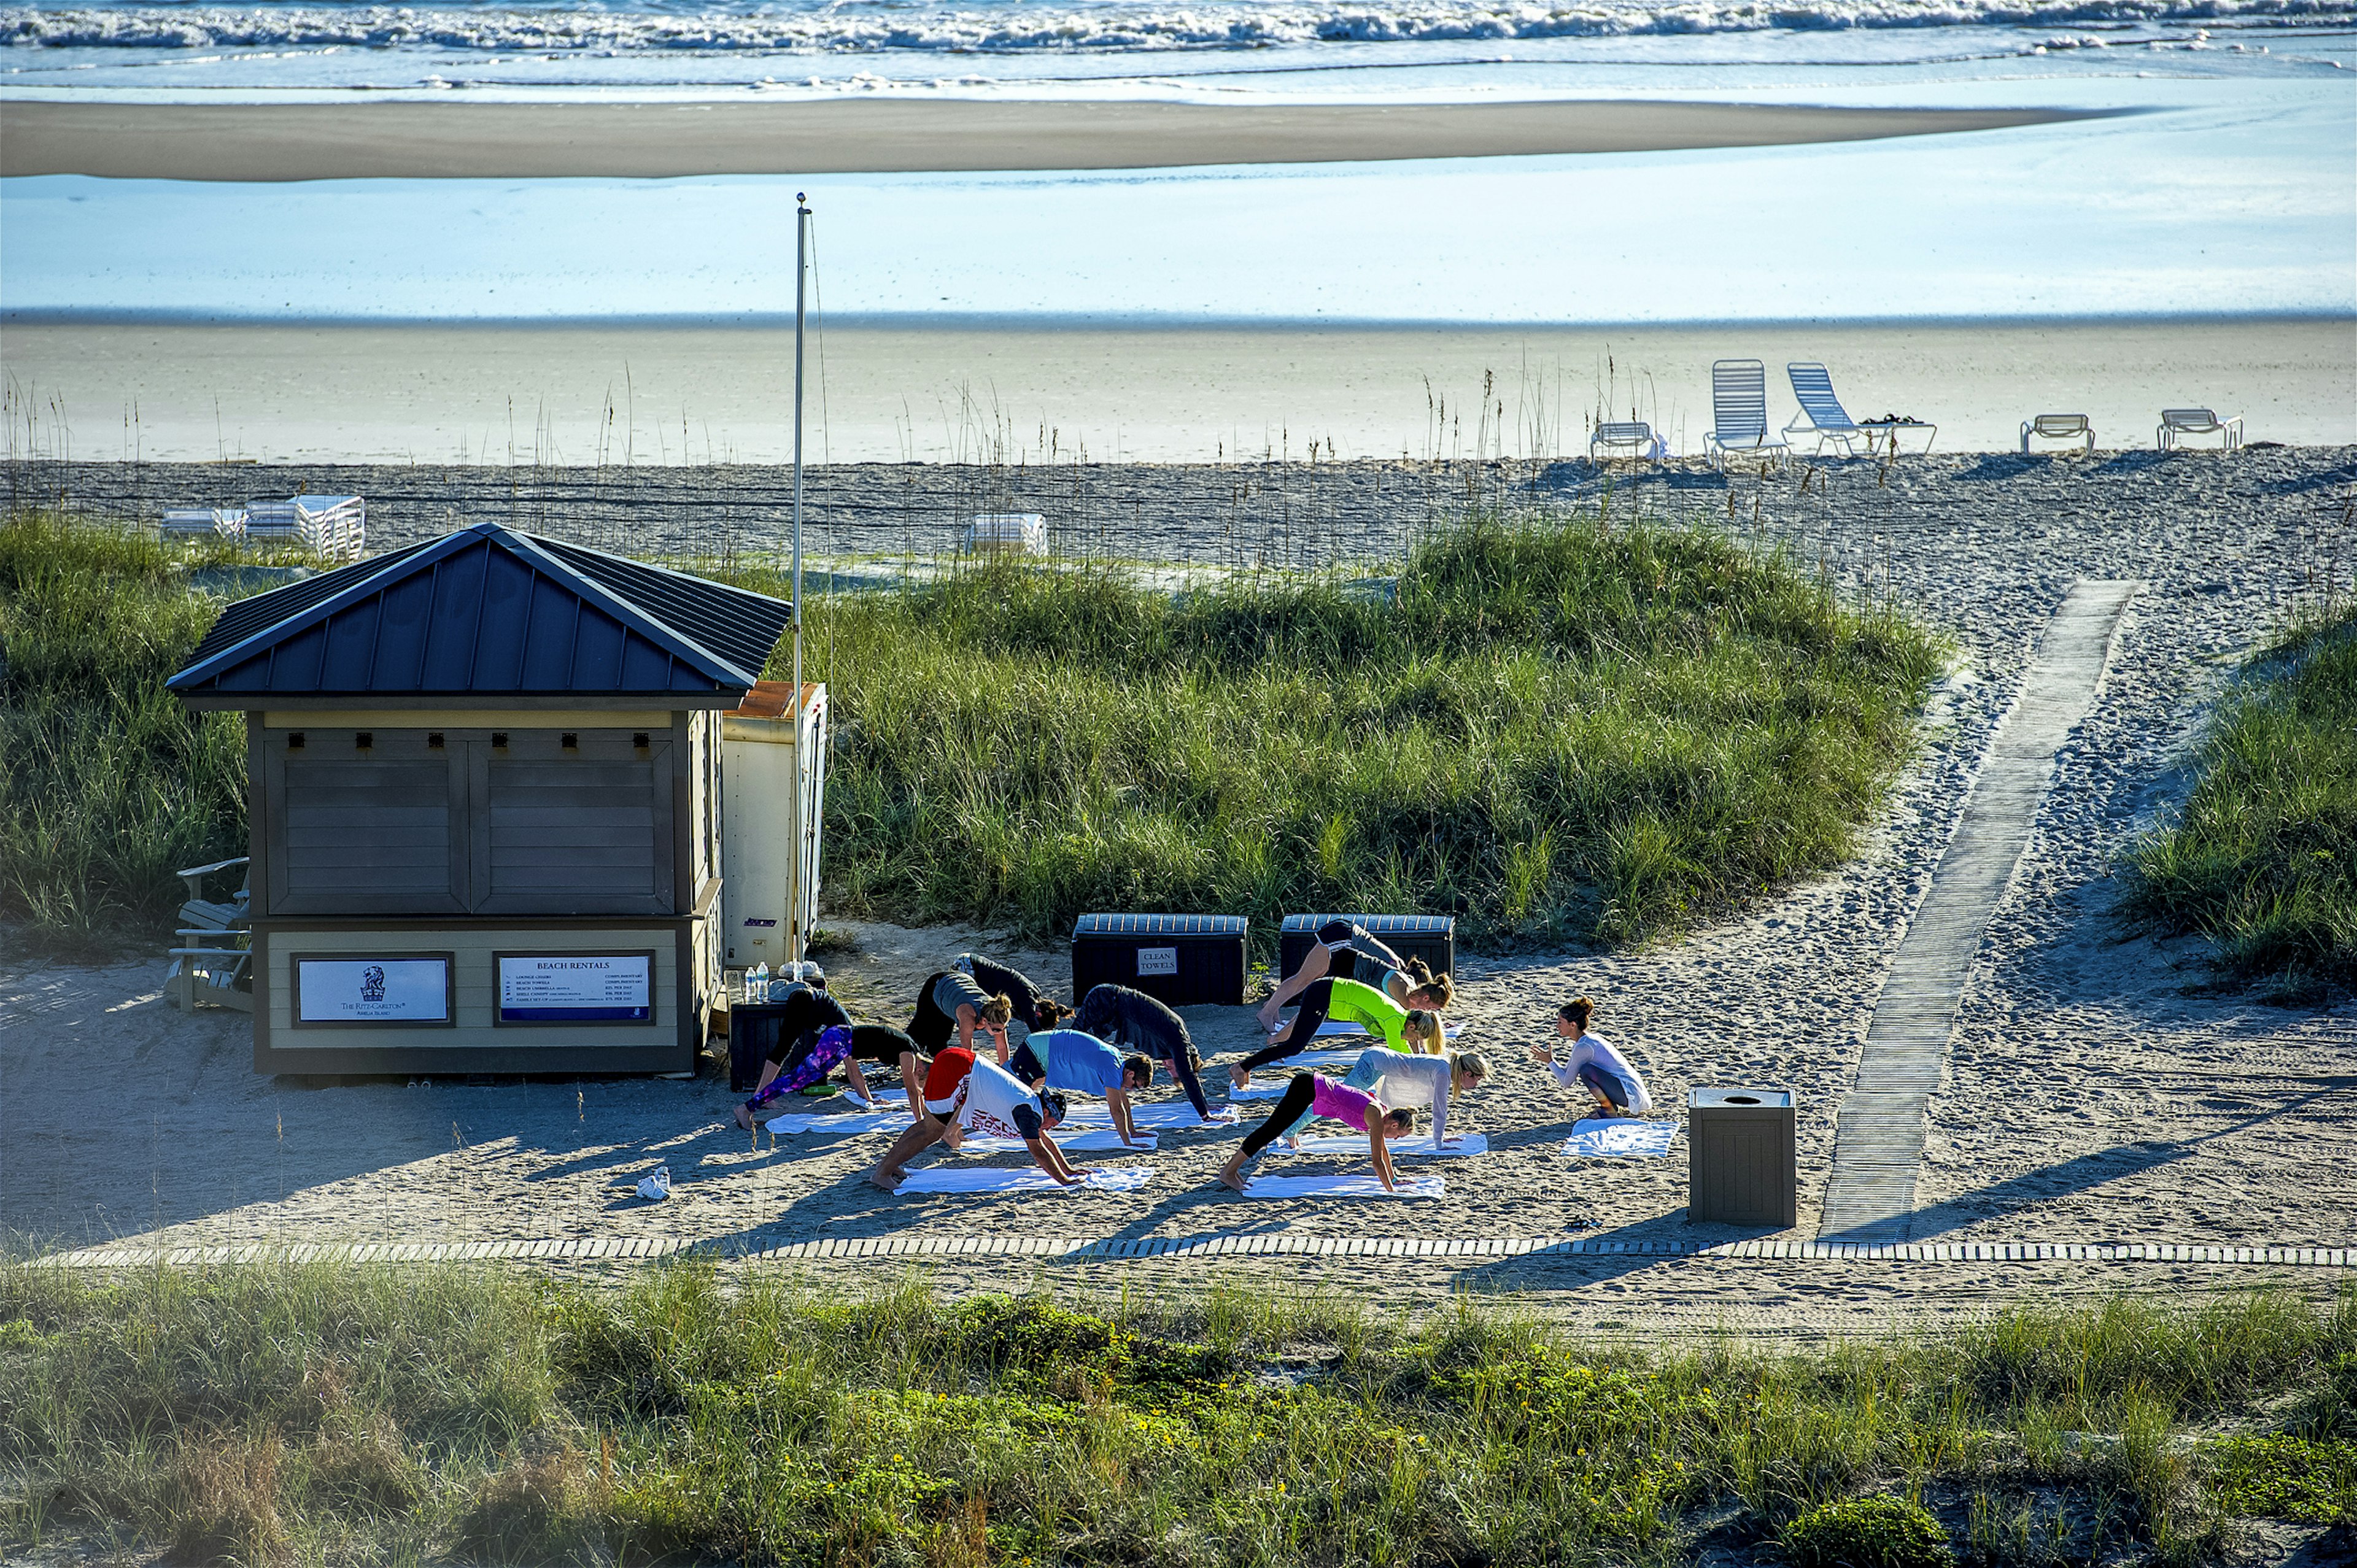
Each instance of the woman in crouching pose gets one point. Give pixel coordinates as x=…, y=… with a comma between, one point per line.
x=1323, y=1096
x=1399, y=1029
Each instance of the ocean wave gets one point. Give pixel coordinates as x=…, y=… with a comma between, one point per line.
x=1116, y=27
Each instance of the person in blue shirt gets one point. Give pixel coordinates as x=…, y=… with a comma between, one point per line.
x=1079, y=1063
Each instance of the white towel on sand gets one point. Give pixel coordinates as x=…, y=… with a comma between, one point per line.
x=1266, y=1088
x=1620, y=1138
x=1085, y=1139
x=1334, y=1027
x=1341, y=1186
x=1005, y=1179
x=841, y=1126
x=1465, y=1145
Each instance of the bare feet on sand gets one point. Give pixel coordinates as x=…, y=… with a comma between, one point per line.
x=1239, y=1078
x=745, y=1118
x=888, y=1183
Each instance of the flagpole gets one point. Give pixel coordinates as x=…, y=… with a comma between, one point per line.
x=795, y=935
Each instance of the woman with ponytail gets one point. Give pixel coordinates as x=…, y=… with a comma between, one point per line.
x=1591, y=1062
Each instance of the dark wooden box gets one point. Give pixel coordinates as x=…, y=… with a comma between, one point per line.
x=1741, y=1167
x=1432, y=938
x=1181, y=960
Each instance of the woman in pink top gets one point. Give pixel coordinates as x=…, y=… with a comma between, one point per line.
x=1323, y=1096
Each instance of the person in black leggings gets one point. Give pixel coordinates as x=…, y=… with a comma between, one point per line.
x=1309, y=1092
x=1132, y=1018
x=878, y=1043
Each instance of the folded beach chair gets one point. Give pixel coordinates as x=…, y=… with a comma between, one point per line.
x=1738, y=409
x=2059, y=428
x=1822, y=414
x=2178, y=423
x=1630, y=437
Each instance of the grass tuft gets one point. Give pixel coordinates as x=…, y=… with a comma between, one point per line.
x=2262, y=861
x=273, y=1412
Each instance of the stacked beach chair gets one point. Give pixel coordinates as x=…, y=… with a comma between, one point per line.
x=335, y=527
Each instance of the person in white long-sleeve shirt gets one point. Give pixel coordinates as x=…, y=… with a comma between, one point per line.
x=1591, y=1062
x=1407, y=1082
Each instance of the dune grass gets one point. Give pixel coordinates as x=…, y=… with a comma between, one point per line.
x=1556, y=728
x=324, y=1412
x=2263, y=858
x=107, y=783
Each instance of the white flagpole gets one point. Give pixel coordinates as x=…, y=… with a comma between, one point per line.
x=795, y=825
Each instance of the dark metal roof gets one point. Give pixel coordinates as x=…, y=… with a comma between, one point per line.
x=485, y=612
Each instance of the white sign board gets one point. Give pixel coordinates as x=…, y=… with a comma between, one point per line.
x=1158, y=960
x=577, y=988
x=372, y=990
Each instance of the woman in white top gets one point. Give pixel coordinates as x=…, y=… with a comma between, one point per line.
x=1407, y=1082
x=1591, y=1062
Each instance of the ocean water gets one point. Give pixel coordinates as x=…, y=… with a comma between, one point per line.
x=2221, y=183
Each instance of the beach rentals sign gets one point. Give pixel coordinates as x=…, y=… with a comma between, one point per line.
x=577, y=988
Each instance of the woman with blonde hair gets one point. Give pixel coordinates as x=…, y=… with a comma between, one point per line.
x=1348, y=1000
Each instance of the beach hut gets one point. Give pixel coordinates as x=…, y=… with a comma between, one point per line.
x=483, y=783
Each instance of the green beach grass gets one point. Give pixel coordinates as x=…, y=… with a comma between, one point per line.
x=329, y=1413
x=1555, y=728
x=2261, y=860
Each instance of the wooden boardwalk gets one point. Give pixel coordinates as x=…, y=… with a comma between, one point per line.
x=1879, y=1139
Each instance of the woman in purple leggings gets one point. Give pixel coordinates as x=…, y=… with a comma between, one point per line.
x=1325, y=1097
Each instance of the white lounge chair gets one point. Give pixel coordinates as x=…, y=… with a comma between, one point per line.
x=1822, y=414
x=1006, y=533
x=2176, y=423
x=1739, y=411
x=2059, y=428
x=213, y=962
x=1628, y=438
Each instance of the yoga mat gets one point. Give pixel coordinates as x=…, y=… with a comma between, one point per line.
x=841, y=1126
x=1464, y=1146
x=1173, y=1113
x=1341, y=1186
x=1620, y=1138
x=1333, y=1027
x=1266, y=1088
x=952, y=1178
x=1084, y=1139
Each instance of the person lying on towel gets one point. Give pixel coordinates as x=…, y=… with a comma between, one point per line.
x=1345, y=952
x=1404, y=1082
x=1400, y=1029
x=1311, y=1094
x=954, y=1004
x=1140, y=1022
x=988, y=1101
x=1080, y=1063
x=818, y=1052
x=1591, y=1062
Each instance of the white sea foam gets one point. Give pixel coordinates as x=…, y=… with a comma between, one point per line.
x=1002, y=28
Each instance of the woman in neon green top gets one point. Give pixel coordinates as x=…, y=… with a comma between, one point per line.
x=1400, y=1028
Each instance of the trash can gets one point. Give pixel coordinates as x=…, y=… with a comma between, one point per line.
x=1180, y=959
x=1741, y=1166
x=753, y=1029
x=1432, y=938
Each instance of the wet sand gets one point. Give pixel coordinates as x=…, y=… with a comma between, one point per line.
x=411, y=140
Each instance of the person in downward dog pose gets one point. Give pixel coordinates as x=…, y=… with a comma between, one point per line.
x=955, y=1004
x=1080, y=1063
x=1033, y=1007
x=1340, y=945
x=987, y=1101
x=1591, y=1062
x=1138, y=1021
x=1322, y=1096
x=1356, y=1003
x=816, y=1054
x=1407, y=1083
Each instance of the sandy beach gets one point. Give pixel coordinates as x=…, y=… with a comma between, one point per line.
x=652, y=141
x=2097, y=1092
x=659, y=395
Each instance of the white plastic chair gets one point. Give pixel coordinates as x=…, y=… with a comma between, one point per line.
x=2178, y=423
x=1738, y=409
x=1822, y=414
x=1628, y=438
x=2059, y=428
